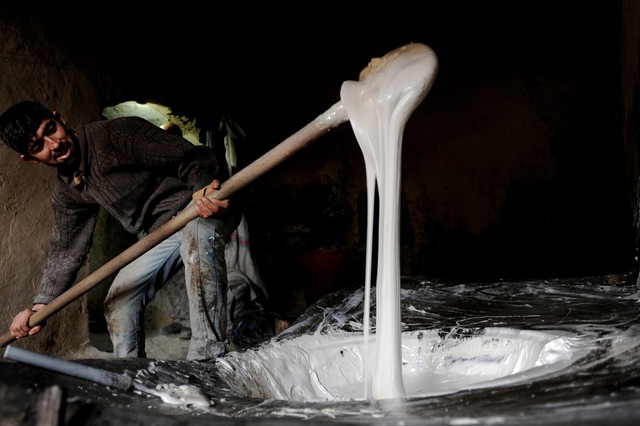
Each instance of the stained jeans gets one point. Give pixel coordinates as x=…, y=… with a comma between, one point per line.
x=200, y=246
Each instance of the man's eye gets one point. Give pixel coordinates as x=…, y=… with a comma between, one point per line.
x=35, y=146
x=50, y=128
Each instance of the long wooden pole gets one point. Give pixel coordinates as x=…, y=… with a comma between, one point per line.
x=333, y=117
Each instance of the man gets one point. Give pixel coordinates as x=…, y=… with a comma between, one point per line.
x=143, y=176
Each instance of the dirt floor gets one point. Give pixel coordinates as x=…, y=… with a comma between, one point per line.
x=159, y=346
x=164, y=345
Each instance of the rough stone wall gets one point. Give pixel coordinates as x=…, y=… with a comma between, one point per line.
x=33, y=67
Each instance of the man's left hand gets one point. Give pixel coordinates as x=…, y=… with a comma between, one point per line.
x=207, y=207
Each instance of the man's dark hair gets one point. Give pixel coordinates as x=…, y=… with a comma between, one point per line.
x=20, y=122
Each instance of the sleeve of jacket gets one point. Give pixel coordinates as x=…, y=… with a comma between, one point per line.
x=73, y=225
x=195, y=165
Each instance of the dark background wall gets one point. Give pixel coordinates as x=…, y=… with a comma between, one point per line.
x=519, y=163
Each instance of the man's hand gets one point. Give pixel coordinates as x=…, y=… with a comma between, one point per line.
x=207, y=207
x=20, y=325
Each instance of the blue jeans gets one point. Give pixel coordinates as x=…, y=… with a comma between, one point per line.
x=200, y=246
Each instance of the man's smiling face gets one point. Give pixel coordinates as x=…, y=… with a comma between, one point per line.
x=51, y=144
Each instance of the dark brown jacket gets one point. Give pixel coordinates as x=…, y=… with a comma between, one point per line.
x=139, y=173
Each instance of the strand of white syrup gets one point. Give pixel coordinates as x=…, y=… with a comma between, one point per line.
x=379, y=106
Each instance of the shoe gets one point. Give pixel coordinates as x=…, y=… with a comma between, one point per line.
x=173, y=328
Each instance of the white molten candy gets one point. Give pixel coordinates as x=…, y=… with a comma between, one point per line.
x=379, y=106
x=328, y=367
x=334, y=366
x=170, y=393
